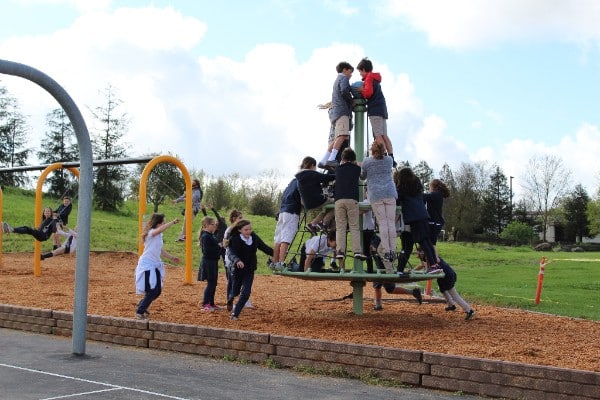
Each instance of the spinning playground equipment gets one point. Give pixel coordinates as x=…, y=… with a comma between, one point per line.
x=357, y=276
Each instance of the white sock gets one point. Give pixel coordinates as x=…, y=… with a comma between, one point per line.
x=333, y=155
x=325, y=157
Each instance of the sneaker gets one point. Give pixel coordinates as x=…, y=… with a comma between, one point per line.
x=470, y=314
x=360, y=256
x=389, y=256
x=207, y=308
x=234, y=318
x=402, y=274
x=215, y=307
x=6, y=228
x=377, y=307
x=434, y=269
x=140, y=316
x=146, y=314
x=229, y=304
x=451, y=308
x=417, y=295
x=339, y=255
x=180, y=238
x=312, y=229
x=248, y=304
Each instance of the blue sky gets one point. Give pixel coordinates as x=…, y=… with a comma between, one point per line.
x=233, y=86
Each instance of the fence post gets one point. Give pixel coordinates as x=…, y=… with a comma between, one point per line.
x=540, y=282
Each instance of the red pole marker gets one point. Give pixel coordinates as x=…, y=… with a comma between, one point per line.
x=540, y=282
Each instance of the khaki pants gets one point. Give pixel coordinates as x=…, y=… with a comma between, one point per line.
x=346, y=214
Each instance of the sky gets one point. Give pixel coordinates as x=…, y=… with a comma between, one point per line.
x=233, y=86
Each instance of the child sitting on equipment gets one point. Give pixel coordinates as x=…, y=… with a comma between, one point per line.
x=311, y=192
x=69, y=246
x=313, y=252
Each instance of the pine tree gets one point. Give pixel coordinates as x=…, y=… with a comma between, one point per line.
x=575, y=206
x=13, y=138
x=110, y=180
x=58, y=146
x=495, y=212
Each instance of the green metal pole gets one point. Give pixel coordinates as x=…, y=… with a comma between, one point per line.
x=360, y=109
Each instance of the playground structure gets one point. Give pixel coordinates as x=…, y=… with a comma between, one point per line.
x=357, y=277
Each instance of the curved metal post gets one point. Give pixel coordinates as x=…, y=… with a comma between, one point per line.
x=85, y=191
x=188, y=208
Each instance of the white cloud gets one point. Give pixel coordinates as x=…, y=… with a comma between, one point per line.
x=81, y=5
x=342, y=7
x=473, y=23
x=577, y=151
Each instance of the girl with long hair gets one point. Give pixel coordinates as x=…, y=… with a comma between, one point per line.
x=150, y=270
x=243, y=245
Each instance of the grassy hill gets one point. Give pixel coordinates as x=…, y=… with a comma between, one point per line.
x=498, y=275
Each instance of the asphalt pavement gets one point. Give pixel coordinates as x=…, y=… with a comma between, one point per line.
x=42, y=367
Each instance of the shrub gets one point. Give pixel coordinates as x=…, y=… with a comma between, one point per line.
x=262, y=204
x=517, y=233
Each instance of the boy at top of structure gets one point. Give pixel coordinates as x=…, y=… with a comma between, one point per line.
x=376, y=105
x=340, y=113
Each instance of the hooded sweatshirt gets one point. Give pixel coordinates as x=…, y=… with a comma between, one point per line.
x=376, y=105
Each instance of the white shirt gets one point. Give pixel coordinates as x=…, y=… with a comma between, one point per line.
x=149, y=261
x=70, y=232
x=318, y=245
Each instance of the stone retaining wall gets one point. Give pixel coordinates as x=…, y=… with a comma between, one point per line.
x=417, y=368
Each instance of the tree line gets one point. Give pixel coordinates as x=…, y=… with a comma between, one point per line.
x=481, y=205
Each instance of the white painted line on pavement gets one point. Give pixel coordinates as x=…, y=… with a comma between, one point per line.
x=114, y=387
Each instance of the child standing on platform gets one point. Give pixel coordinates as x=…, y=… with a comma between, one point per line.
x=346, y=193
x=340, y=113
x=377, y=170
x=376, y=105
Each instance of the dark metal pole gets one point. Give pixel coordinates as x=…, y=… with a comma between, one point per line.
x=511, y=200
x=75, y=164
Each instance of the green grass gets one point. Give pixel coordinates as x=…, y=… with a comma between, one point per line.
x=487, y=274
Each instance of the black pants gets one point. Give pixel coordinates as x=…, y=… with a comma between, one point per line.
x=37, y=234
